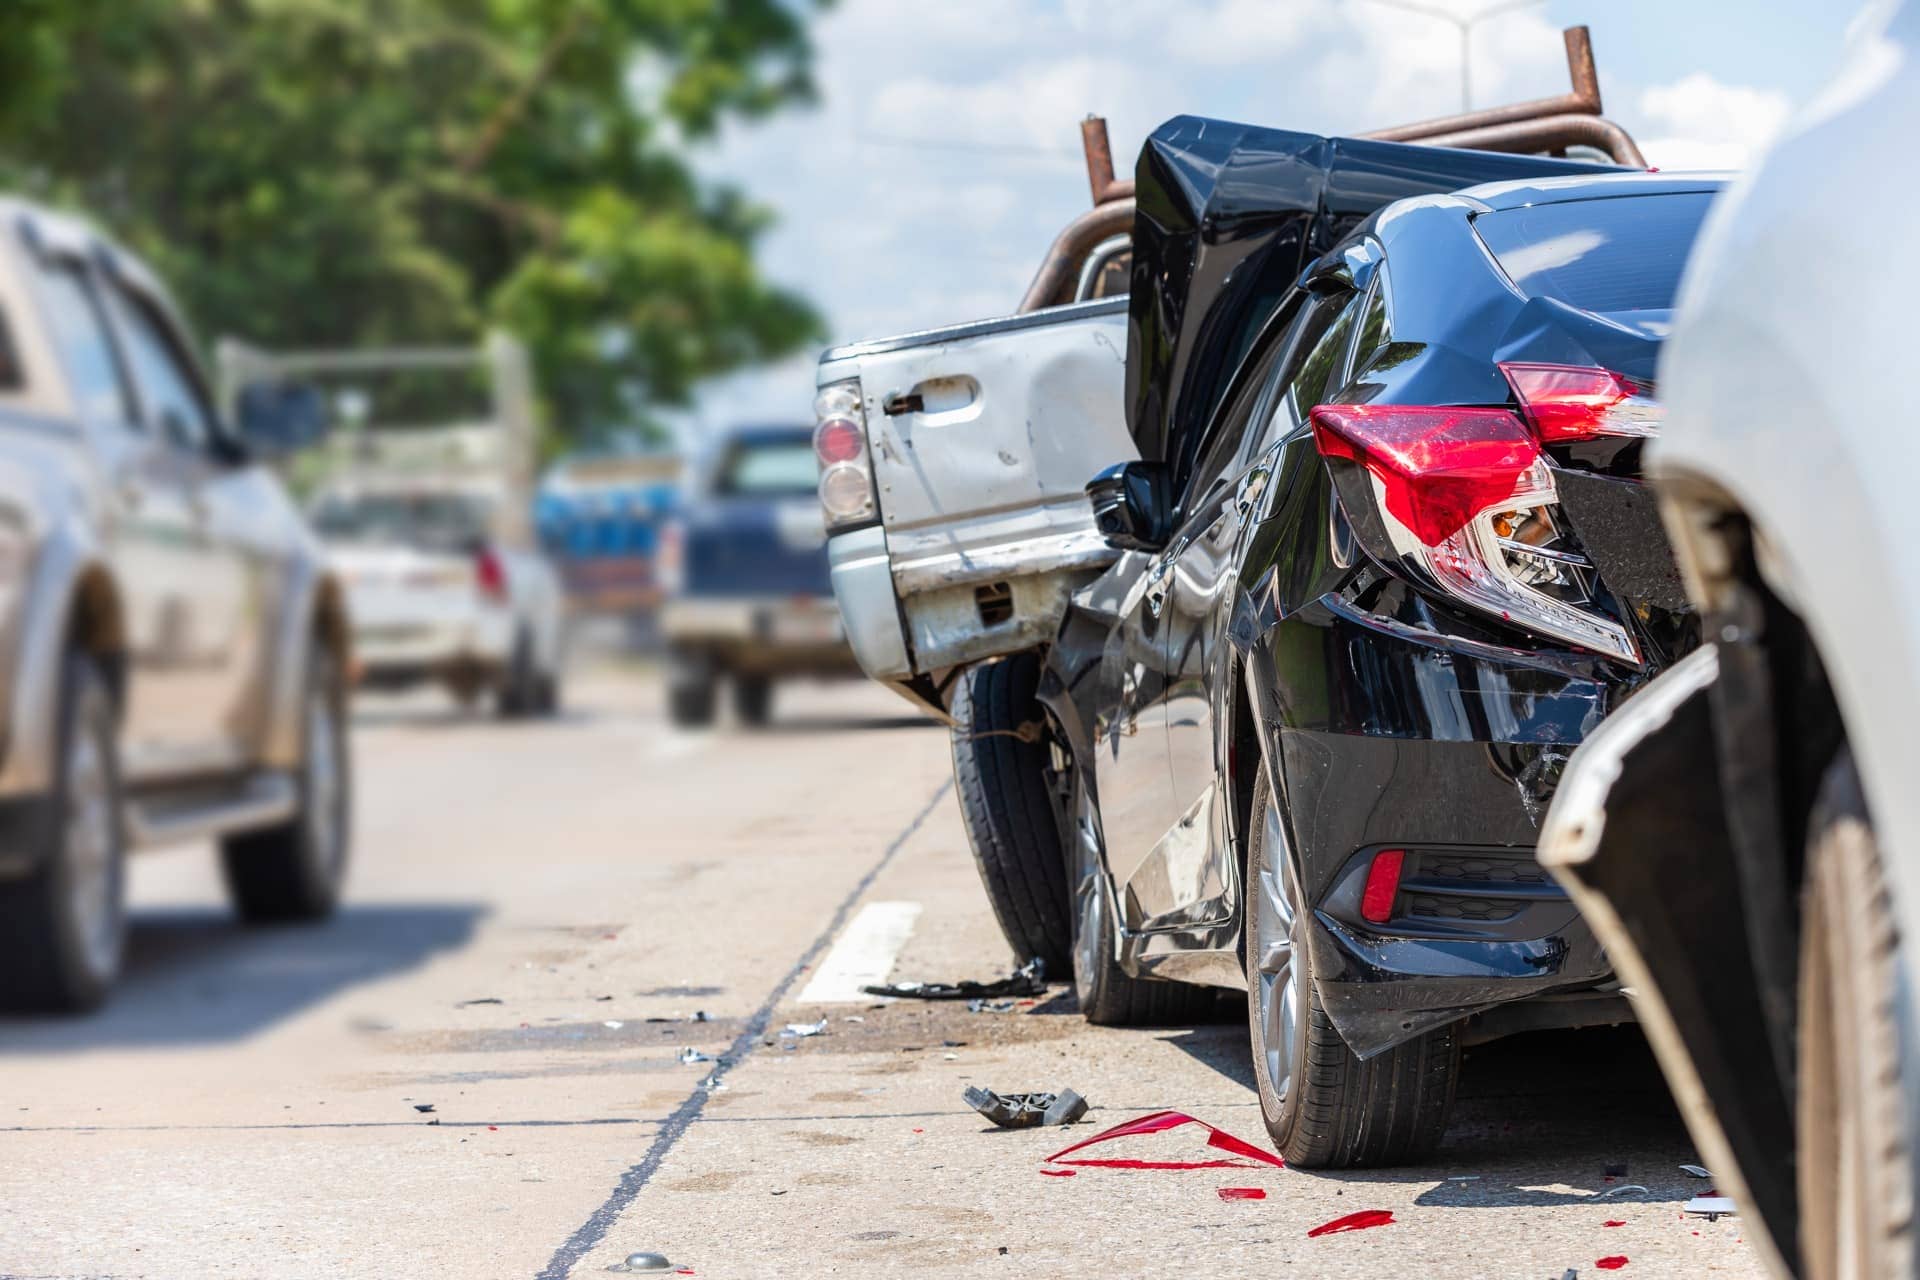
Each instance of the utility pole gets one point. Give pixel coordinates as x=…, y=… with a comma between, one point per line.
x=1465, y=26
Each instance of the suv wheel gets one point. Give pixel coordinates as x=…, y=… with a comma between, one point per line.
x=1856, y=1188
x=753, y=699
x=63, y=928
x=1324, y=1107
x=293, y=871
x=518, y=693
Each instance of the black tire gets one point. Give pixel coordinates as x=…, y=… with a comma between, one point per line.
x=753, y=700
x=546, y=701
x=1855, y=1131
x=295, y=870
x=692, y=685
x=1001, y=776
x=63, y=928
x=518, y=694
x=1336, y=1112
x=1108, y=995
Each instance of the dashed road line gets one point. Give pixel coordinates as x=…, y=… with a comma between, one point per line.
x=864, y=955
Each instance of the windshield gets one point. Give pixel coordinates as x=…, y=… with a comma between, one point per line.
x=774, y=469
x=439, y=521
x=1620, y=253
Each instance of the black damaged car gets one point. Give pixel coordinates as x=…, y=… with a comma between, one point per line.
x=1387, y=562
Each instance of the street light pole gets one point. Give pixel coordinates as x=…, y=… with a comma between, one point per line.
x=1465, y=26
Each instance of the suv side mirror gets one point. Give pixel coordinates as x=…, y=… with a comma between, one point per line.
x=1133, y=505
x=281, y=418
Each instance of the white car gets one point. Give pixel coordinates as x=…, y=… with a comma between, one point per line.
x=1774, y=939
x=436, y=596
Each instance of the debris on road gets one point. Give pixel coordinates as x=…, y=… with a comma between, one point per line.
x=613, y=1024
x=691, y=1055
x=1024, y=1110
x=1243, y=1193
x=467, y=1004
x=991, y=1006
x=1158, y=1122
x=643, y=1263
x=1623, y=1188
x=1711, y=1207
x=423, y=1107
x=1030, y=979
x=801, y=1030
x=1060, y=1173
x=1360, y=1221
x=1613, y=1263
x=1614, y=1222
x=1694, y=1171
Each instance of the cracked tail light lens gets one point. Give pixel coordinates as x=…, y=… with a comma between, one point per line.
x=840, y=443
x=1466, y=496
x=1574, y=402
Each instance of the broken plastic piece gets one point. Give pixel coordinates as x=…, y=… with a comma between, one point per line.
x=990, y=1006
x=1611, y=1192
x=691, y=1055
x=1158, y=1122
x=1354, y=1222
x=1024, y=1110
x=464, y=1004
x=423, y=1107
x=1030, y=979
x=1243, y=1193
x=1694, y=1171
x=1710, y=1207
x=1612, y=1264
x=804, y=1029
x=1061, y=1173
x=1613, y=1222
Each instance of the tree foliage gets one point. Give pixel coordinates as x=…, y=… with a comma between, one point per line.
x=355, y=172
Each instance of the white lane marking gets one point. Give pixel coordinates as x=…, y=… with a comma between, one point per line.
x=863, y=954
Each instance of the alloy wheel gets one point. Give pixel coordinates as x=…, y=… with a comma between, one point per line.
x=1277, y=977
x=89, y=833
x=325, y=794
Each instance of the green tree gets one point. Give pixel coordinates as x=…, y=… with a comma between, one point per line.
x=349, y=172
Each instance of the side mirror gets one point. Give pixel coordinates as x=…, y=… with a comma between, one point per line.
x=281, y=418
x=1133, y=505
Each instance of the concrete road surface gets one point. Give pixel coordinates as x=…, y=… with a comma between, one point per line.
x=476, y=1069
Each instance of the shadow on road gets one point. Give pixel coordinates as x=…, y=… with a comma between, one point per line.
x=198, y=976
x=788, y=724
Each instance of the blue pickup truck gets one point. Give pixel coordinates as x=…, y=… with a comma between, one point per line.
x=745, y=568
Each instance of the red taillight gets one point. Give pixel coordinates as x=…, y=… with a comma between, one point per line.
x=490, y=574
x=1437, y=467
x=1383, y=886
x=1575, y=402
x=837, y=440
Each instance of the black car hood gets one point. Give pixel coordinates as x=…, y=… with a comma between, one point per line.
x=1227, y=217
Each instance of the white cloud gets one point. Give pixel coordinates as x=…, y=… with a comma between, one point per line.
x=1697, y=122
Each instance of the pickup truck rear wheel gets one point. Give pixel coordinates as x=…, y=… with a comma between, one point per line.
x=691, y=687
x=519, y=690
x=63, y=928
x=1000, y=770
x=294, y=870
x=1856, y=1188
x=1324, y=1108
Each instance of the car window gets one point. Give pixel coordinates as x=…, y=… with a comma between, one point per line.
x=1375, y=327
x=429, y=520
x=169, y=392
x=79, y=333
x=1323, y=334
x=1621, y=253
x=770, y=470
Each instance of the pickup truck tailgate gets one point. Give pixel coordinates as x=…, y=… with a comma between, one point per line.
x=982, y=438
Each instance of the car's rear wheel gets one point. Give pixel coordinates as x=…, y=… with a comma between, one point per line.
x=63, y=928
x=1323, y=1106
x=753, y=699
x=1855, y=1130
x=294, y=870
x=1000, y=769
x=518, y=693
x=692, y=686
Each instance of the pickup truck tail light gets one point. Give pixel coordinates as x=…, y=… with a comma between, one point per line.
x=840, y=443
x=670, y=558
x=490, y=574
x=1466, y=497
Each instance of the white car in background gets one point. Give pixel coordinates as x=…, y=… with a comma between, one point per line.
x=1773, y=940
x=437, y=596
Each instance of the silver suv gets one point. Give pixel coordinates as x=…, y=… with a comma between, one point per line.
x=174, y=652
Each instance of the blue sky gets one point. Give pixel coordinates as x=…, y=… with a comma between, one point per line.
x=944, y=153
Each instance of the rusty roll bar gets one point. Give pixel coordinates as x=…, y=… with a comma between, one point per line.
x=1099, y=149
x=1584, y=100
x=1553, y=133
x=1061, y=269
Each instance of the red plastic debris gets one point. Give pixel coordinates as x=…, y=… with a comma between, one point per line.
x=1159, y=1122
x=1354, y=1222
x=1059, y=1173
x=919, y=1130
x=1613, y=1223
x=1242, y=1193
x=1612, y=1264
x=493, y=1128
